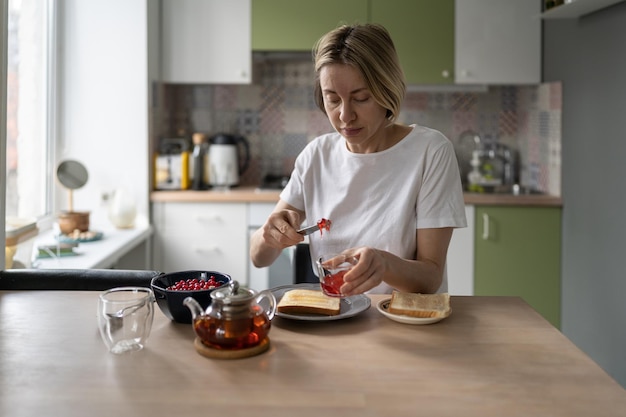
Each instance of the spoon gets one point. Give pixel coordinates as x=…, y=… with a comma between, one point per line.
x=120, y=314
x=308, y=230
x=116, y=319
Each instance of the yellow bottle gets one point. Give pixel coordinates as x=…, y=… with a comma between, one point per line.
x=184, y=179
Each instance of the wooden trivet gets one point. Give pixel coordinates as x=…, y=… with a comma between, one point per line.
x=209, y=352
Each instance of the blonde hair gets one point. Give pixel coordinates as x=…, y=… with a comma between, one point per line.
x=368, y=48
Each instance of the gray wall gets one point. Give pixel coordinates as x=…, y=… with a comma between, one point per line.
x=589, y=56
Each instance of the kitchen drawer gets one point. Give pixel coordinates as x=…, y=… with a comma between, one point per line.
x=195, y=218
x=225, y=254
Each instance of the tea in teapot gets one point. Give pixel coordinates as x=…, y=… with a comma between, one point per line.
x=235, y=319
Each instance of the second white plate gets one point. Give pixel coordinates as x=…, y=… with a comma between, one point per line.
x=383, y=307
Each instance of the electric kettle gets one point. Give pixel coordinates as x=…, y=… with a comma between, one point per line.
x=225, y=163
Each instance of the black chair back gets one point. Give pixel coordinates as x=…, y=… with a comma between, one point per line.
x=74, y=279
x=303, y=267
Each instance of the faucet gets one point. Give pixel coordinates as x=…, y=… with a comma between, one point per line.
x=510, y=168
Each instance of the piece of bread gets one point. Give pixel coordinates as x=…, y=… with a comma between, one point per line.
x=420, y=305
x=308, y=302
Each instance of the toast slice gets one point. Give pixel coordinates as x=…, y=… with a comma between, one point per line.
x=420, y=305
x=301, y=301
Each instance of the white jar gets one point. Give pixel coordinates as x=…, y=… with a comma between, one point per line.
x=122, y=208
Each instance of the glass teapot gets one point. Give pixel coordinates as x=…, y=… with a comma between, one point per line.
x=235, y=319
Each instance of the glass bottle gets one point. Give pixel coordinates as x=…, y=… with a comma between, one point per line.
x=198, y=161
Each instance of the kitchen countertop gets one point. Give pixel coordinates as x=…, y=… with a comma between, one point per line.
x=538, y=200
x=242, y=194
x=251, y=194
x=494, y=356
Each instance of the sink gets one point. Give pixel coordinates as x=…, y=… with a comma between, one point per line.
x=511, y=189
x=274, y=182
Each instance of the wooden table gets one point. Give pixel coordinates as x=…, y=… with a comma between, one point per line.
x=494, y=356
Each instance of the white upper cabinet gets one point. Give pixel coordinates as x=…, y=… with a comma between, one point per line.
x=206, y=41
x=497, y=41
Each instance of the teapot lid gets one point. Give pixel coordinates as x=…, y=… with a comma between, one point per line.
x=232, y=293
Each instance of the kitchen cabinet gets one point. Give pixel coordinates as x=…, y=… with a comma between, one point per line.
x=423, y=34
x=288, y=25
x=422, y=30
x=206, y=41
x=518, y=252
x=281, y=272
x=467, y=41
x=203, y=236
x=460, y=260
x=443, y=42
x=497, y=42
x=215, y=236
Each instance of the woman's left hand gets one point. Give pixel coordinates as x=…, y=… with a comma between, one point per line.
x=367, y=273
x=421, y=275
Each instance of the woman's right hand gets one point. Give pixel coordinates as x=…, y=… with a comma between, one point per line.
x=278, y=232
x=280, y=229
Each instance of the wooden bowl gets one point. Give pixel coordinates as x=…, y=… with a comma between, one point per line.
x=73, y=220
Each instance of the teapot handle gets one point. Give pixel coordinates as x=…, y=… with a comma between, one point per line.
x=272, y=302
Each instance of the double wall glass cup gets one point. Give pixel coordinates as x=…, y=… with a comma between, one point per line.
x=125, y=317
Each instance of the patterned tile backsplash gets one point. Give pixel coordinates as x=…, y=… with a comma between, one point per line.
x=278, y=116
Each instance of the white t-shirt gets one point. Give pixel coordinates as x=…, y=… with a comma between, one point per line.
x=377, y=199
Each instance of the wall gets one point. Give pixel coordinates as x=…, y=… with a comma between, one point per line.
x=587, y=56
x=104, y=97
x=278, y=115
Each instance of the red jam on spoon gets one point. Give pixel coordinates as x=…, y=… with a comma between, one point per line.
x=324, y=224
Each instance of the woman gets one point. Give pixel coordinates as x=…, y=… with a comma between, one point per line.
x=393, y=192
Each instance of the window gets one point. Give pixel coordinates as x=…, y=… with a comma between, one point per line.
x=30, y=98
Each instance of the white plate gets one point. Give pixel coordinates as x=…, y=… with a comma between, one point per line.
x=383, y=307
x=349, y=306
x=91, y=238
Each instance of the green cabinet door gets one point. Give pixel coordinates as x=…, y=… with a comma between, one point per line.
x=423, y=33
x=422, y=30
x=295, y=25
x=518, y=252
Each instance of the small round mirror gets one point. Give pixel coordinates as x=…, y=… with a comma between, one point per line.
x=73, y=175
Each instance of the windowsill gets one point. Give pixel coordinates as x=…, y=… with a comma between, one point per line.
x=100, y=254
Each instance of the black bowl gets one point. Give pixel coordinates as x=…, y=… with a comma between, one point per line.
x=171, y=302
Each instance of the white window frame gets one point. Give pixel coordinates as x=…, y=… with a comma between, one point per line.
x=39, y=192
x=4, y=18
x=36, y=119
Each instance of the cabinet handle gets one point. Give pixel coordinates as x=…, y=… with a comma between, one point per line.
x=209, y=249
x=209, y=219
x=485, y=226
